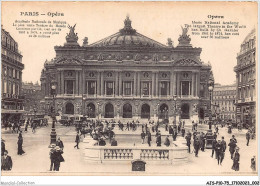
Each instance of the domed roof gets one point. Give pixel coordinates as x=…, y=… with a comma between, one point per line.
x=251, y=35
x=128, y=37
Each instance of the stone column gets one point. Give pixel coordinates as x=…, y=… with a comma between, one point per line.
x=116, y=85
x=174, y=87
x=102, y=83
x=193, y=84
x=135, y=84
x=77, y=83
x=80, y=82
x=120, y=84
x=138, y=83
x=98, y=84
x=178, y=84
x=62, y=82
x=153, y=84
x=157, y=84
x=83, y=76
x=59, y=82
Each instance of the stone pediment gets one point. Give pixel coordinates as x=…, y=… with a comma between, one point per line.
x=68, y=61
x=187, y=62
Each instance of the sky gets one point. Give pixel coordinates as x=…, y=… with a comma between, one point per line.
x=157, y=20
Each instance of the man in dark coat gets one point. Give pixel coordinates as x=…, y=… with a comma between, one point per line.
x=183, y=131
x=142, y=137
x=6, y=162
x=158, y=140
x=77, y=141
x=149, y=138
x=196, y=145
x=247, y=137
x=203, y=141
x=174, y=134
x=170, y=130
x=167, y=141
x=57, y=158
x=2, y=147
x=188, y=140
x=101, y=142
x=219, y=151
x=60, y=143
x=52, y=158
x=113, y=142
x=214, y=141
x=232, y=145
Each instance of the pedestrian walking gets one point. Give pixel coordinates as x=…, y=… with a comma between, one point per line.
x=247, y=137
x=219, y=151
x=142, y=137
x=158, y=140
x=149, y=138
x=214, y=142
x=113, y=142
x=2, y=147
x=167, y=141
x=59, y=143
x=6, y=162
x=58, y=158
x=77, y=141
x=52, y=158
x=183, y=131
x=203, y=142
x=20, y=146
x=174, y=134
x=253, y=163
x=196, y=146
x=232, y=146
x=236, y=160
x=188, y=140
x=224, y=147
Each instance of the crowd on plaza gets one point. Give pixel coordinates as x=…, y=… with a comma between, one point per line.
x=103, y=133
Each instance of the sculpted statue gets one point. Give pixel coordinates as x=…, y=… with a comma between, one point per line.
x=72, y=29
x=184, y=31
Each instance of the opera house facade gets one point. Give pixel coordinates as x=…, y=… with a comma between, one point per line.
x=128, y=75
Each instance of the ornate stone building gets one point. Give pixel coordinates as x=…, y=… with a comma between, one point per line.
x=128, y=75
x=32, y=96
x=246, y=80
x=11, y=78
x=224, y=97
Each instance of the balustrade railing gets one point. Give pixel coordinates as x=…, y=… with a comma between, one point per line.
x=154, y=154
x=118, y=154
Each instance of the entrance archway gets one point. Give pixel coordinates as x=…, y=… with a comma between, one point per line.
x=109, y=111
x=91, y=109
x=185, y=111
x=69, y=108
x=163, y=111
x=145, y=111
x=201, y=113
x=127, y=111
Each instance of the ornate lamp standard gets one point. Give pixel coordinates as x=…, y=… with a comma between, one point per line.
x=175, y=109
x=53, y=130
x=210, y=98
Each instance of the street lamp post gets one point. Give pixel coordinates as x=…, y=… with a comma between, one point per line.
x=53, y=130
x=210, y=97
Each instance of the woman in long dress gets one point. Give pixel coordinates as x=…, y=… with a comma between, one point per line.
x=20, y=146
x=236, y=161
